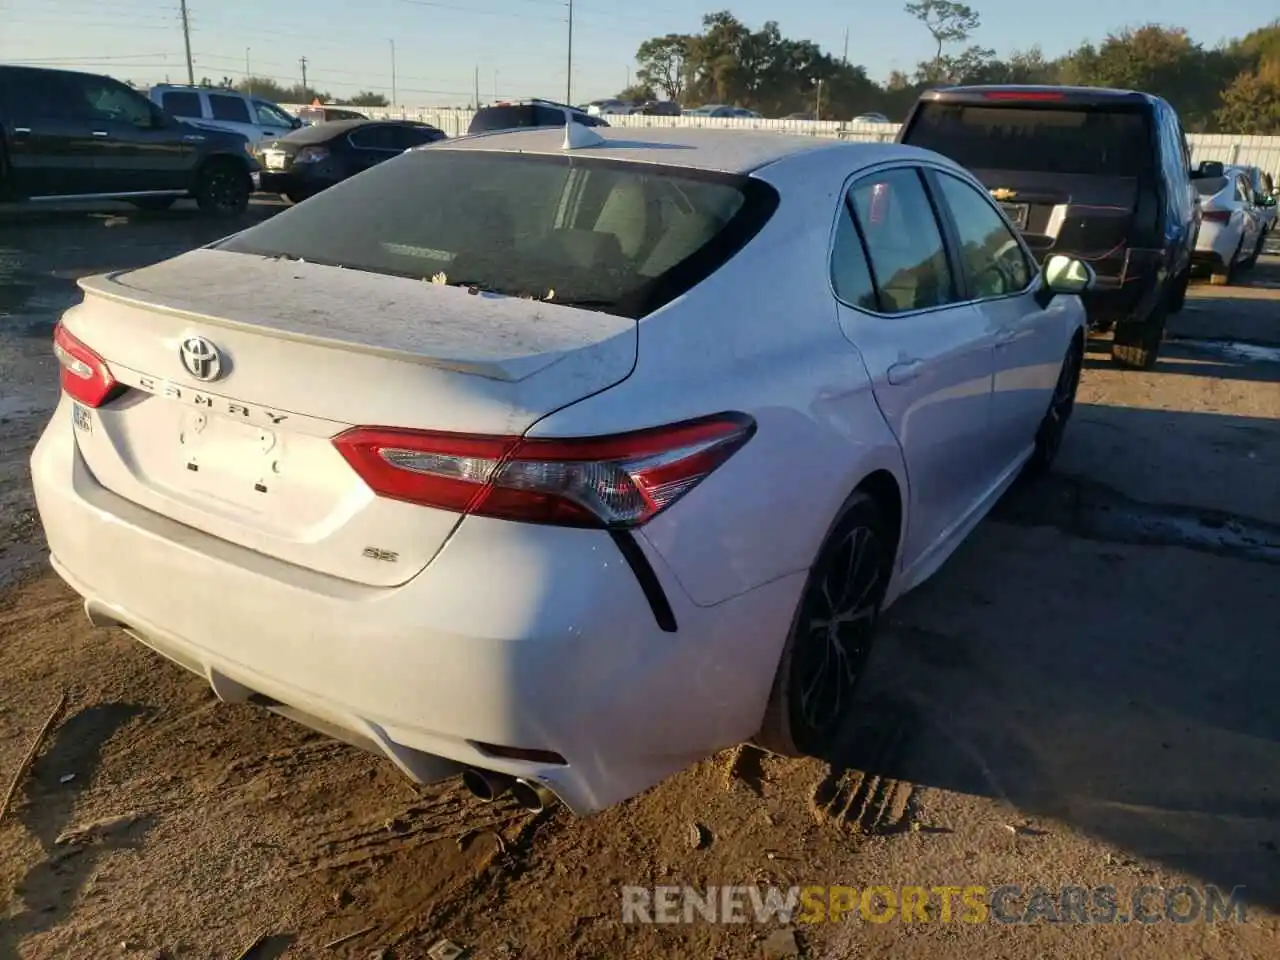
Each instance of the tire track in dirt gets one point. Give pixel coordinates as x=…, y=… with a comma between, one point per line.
x=858, y=792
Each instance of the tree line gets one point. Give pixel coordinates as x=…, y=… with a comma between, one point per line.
x=1231, y=88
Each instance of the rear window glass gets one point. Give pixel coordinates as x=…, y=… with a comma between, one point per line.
x=181, y=103
x=1040, y=139
x=616, y=237
x=1208, y=186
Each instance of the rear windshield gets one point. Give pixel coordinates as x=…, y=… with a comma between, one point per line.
x=1093, y=140
x=1208, y=186
x=617, y=237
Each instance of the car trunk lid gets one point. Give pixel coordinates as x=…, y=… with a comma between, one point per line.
x=305, y=352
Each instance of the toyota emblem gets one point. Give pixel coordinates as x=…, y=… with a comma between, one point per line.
x=201, y=358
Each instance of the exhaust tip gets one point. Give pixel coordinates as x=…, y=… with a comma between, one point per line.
x=532, y=796
x=484, y=785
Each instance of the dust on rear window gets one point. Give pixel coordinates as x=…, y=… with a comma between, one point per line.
x=617, y=237
x=1092, y=140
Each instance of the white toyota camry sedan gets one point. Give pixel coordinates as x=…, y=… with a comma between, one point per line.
x=561, y=460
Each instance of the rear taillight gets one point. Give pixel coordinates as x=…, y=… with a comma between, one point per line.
x=85, y=375
x=1216, y=216
x=617, y=482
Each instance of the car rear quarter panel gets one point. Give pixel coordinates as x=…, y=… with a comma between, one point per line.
x=760, y=336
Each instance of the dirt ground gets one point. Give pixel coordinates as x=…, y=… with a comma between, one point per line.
x=1085, y=695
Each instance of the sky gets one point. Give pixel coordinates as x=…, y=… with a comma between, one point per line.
x=519, y=47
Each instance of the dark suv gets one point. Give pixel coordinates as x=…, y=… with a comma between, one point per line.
x=66, y=135
x=1100, y=175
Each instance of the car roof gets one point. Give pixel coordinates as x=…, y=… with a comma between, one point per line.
x=319, y=132
x=723, y=151
x=1074, y=95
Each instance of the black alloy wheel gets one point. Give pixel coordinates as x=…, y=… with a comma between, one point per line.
x=223, y=189
x=831, y=637
x=1054, y=425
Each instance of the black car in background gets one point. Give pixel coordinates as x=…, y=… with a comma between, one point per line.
x=529, y=113
x=66, y=135
x=1100, y=175
x=306, y=161
x=659, y=108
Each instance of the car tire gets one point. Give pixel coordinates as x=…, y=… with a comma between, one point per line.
x=1223, y=277
x=1257, y=252
x=154, y=203
x=1136, y=344
x=1054, y=425
x=1178, y=297
x=853, y=567
x=223, y=188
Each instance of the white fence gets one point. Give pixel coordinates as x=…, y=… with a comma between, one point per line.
x=1263, y=152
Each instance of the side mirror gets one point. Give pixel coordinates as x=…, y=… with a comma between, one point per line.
x=1266, y=201
x=1065, y=275
x=1209, y=169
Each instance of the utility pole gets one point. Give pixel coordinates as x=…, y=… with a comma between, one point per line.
x=568, y=80
x=495, y=86
x=845, y=59
x=186, y=41
x=394, y=100
x=248, y=71
x=302, y=62
x=817, y=114
x=477, y=80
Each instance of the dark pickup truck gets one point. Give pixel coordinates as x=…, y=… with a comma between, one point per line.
x=78, y=136
x=1100, y=175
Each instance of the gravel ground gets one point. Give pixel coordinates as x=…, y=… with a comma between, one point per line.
x=1084, y=695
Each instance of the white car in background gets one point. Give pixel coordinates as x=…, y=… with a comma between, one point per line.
x=1231, y=233
x=639, y=438
x=252, y=117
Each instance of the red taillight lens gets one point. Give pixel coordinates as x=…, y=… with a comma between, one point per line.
x=1217, y=216
x=618, y=481
x=85, y=375
x=1028, y=95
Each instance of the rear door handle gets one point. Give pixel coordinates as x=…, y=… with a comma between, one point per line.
x=906, y=371
x=1006, y=336
x=100, y=133
x=22, y=131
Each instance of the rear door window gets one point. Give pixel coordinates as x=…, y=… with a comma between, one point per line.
x=1062, y=140
x=37, y=95
x=181, y=103
x=380, y=138
x=230, y=109
x=617, y=237
x=903, y=241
